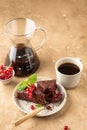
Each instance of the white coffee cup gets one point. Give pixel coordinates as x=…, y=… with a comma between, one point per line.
x=69, y=80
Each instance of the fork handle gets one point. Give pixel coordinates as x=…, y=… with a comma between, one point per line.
x=24, y=118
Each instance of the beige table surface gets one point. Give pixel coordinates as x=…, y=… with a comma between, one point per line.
x=66, y=24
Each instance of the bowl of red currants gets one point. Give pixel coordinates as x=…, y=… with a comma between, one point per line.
x=6, y=74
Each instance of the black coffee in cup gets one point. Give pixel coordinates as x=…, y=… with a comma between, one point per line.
x=68, y=68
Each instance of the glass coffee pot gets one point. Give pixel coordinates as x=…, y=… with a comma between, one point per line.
x=21, y=56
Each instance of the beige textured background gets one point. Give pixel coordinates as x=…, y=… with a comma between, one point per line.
x=66, y=24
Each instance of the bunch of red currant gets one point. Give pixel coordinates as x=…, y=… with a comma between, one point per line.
x=5, y=72
x=30, y=90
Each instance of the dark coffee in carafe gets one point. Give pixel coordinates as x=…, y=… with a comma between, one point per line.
x=23, y=59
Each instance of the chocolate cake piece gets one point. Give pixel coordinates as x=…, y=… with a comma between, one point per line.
x=38, y=96
x=47, y=86
x=22, y=95
x=44, y=93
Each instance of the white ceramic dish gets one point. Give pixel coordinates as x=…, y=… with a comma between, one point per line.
x=24, y=106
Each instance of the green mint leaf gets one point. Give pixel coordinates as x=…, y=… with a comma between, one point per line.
x=26, y=83
x=38, y=105
x=32, y=79
x=22, y=85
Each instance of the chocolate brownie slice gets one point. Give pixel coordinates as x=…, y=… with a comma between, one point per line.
x=44, y=93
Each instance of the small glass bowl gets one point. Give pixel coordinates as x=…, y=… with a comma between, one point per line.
x=6, y=81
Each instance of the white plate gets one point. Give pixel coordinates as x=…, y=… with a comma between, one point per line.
x=24, y=106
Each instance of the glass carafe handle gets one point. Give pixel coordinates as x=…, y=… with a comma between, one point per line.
x=44, y=37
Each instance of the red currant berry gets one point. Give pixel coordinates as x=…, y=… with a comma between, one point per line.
x=1, y=67
x=10, y=69
x=30, y=95
x=66, y=128
x=32, y=107
x=59, y=94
